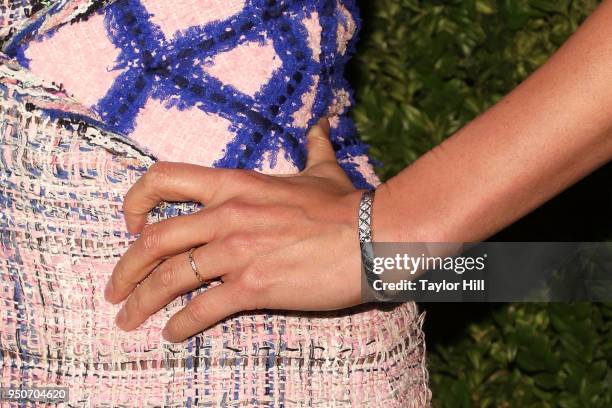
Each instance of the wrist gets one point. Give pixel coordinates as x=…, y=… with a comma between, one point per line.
x=398, y=219
x=385, y=225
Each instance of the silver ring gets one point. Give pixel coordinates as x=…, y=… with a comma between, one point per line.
x=194, y=267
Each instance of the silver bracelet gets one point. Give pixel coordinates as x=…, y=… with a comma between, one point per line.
x=365, y=216
x=364, y=225
x=367, y=248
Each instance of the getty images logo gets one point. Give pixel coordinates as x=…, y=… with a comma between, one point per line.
x=413, y=265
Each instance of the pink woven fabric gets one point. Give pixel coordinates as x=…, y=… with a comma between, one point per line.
x=63, y=175
x=83, y=67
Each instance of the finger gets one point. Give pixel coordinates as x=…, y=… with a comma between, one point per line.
x=173, y=278
x=159, y=240
x=203, y=311
x=175, y=235
x=165, y=181
x=320, y=149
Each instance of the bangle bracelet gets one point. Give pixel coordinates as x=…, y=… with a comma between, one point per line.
x=367, y=249
x=365, y=216
x=364, y=225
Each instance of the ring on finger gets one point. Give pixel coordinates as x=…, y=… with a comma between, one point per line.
x=194, y=267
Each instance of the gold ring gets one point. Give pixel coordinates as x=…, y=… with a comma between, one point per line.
x=194, y=267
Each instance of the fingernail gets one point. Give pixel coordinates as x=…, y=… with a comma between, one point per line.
x=121, y=317
x=324, y=123
x=108, y=290
x=165, y=334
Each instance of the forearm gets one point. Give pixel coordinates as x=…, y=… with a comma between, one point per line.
x=552, y=130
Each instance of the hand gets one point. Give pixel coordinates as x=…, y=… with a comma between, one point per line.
x=287, y=242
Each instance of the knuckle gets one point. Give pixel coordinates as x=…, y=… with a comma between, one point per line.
x=167, y=276
x=238, y=242
x=151, y=238
x=255, y=280
x=197, y=312
x=158, y=172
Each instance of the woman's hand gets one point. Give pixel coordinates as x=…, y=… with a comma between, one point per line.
x=286, y=242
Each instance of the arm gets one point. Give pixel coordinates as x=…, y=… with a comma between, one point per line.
x=552, y=130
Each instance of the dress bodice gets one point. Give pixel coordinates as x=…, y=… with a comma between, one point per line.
x=226, y=83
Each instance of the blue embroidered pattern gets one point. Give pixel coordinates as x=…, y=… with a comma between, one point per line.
x=166, y=70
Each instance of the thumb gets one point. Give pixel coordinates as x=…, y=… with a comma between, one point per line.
x=319, y=146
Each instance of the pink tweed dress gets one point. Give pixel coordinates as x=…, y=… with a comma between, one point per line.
x=92, y=92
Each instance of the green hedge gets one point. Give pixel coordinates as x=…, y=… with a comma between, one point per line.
x=423, y=70
x=529, y=355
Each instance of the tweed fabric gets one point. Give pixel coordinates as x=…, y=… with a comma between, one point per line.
x=64, y=169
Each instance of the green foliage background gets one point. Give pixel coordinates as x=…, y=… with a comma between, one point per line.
x=422, y=71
